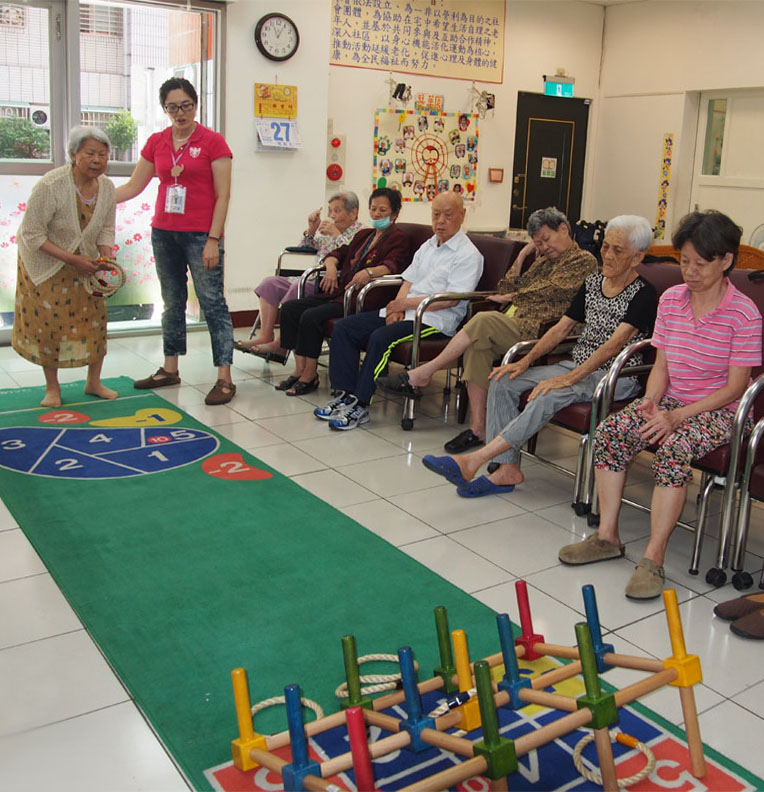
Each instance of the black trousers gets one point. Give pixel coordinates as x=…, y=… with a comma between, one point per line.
x=302, y=324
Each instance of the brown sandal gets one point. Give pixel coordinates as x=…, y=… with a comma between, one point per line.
x=221, y=393
x=159, y=380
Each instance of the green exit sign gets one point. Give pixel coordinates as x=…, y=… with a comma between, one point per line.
x=555, y=88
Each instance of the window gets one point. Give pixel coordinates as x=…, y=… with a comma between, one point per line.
x=125, y=51
x=104, y=20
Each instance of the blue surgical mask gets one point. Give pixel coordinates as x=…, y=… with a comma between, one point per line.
x=381, y=223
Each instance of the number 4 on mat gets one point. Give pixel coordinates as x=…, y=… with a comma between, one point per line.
x=232, y=467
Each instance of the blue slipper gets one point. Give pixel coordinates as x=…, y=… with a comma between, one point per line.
x=483, y=486
x=445, y=466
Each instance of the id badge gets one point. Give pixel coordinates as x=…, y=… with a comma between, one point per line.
x=175, y=201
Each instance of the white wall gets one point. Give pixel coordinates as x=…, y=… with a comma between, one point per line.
x=540, y=36
x=272, y=192
x=657, y=57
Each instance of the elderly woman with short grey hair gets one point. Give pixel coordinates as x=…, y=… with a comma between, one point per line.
x=67, y=227
x=325, y=236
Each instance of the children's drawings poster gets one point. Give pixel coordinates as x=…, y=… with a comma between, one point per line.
x=422, y=154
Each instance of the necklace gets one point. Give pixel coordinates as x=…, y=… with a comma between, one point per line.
x=86, y=201
x=180, y=141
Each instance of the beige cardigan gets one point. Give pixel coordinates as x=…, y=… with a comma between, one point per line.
x=52, y=214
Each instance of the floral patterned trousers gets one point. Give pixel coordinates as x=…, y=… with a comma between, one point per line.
x=617, y=441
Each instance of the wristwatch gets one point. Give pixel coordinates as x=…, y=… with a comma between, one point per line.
x=371, y=274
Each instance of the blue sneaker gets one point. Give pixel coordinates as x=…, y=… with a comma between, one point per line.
x=338, y=402
x=350, y=417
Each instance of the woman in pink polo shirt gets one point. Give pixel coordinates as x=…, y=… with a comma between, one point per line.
x=707, y=337
x=193, y=164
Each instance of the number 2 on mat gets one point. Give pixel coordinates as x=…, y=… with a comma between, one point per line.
x=231, y=467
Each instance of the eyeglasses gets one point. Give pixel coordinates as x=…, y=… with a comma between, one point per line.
x=173, y=108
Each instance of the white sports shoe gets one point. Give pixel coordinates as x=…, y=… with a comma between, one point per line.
x=350, y=417
x=333, y=407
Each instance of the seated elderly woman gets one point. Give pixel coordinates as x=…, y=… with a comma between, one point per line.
x=616, y=306
x=707, y=337
x=325, y=236
x=380, y=250
x=68, y=225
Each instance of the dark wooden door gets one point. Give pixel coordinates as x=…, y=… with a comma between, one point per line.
x=550, y=151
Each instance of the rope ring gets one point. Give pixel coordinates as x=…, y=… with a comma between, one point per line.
x=97, y=285
x=596, y=777
x=274, y=700
x=375, y=683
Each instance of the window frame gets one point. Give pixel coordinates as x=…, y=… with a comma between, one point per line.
x=64, y=59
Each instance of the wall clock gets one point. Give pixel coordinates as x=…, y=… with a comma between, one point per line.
x=277, y=37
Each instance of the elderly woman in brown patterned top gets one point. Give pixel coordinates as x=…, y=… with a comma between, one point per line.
x=67, y=227
x=530, y=302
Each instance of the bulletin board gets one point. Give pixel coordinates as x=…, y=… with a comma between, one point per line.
x=460, y=39
x=422, y=154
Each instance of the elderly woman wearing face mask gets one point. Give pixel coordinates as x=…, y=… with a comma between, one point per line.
x=68, y=226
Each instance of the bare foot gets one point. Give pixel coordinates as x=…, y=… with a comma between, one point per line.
x=507, y=474
x=52, y=398
x=257, y=341
x=418, y=377
x=274, y=348
x=101, y=391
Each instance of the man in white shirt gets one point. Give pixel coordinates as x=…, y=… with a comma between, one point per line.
x=447, y=262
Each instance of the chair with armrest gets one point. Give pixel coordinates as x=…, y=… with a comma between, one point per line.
x=720, y=469
x=290, y=272
x=498, y=255
x=583, y=417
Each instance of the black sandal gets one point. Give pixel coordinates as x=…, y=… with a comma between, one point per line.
x=287, y=383
x=300, y=388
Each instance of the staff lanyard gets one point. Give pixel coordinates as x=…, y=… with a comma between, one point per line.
x=176, y=159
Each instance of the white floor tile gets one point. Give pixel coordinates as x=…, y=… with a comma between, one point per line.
x=17, y=556
x=343, y=449
x=34, y=608
x=334, y=488
x=609, y=579
x=730, y=663
x=110, y=749
x=288, y=460
x=394, y=475
x=248, y=435
x=443, y=509
x=457, y=565
x=50, y=680
x=7, y=523
x=389, y=522
x=735, y=732
x=520, y=544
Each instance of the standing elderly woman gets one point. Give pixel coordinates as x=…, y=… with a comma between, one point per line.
x=68, y=225
x=193, y=164
x=707, y=337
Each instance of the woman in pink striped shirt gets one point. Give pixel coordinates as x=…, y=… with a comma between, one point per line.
x=707, y=338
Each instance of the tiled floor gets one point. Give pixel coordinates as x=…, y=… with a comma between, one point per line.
x=66, y=722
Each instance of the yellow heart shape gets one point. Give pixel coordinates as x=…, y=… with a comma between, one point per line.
x=148, y=416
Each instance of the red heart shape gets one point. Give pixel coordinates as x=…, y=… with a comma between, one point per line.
x=232, y=467
x=63, y=417
x=470, y=187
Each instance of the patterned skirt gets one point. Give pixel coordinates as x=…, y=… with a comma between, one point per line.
x=58, y=324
